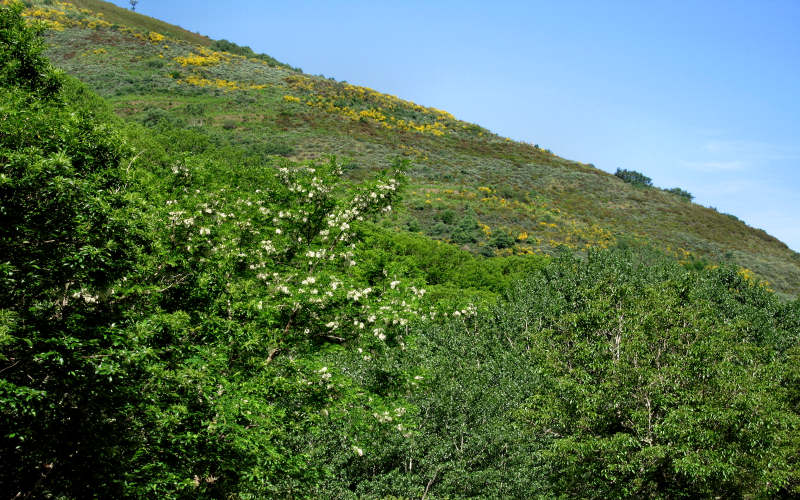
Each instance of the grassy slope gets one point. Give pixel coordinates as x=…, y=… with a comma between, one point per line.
x=540, y=200
x=125, y=17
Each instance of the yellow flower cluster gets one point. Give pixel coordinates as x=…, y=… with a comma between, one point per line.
x=205, y=57
x=412, y=151
x=391, y=101
x=372, y=113
x=61, y=15
x=98, y=23
x=291, y=98
x=559, y=228
x=53, y=18
x=199, y=81
x=156, y=37
x=328, y=96
x=753, y=280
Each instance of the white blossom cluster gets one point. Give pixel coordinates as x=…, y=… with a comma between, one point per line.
x=297, y=239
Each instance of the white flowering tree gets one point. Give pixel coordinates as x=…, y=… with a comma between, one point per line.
x=287, y=250
x=260, y=271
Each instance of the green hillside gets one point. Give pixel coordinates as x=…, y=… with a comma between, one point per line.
x=198, y=301
x=524, y=198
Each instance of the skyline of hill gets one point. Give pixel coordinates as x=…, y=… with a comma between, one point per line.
x=468, y=186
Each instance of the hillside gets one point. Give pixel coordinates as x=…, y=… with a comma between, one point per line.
x=524, y=198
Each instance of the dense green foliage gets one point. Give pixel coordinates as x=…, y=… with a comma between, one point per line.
x=624, y=376
x=65, y=243
x=634, y=177
x=686, y=195
x=183, y=318
x=228, y=46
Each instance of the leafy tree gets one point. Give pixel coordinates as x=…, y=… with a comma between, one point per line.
x=21, y=62
x=622, y=376
x=175, y=315
x=261, y=289
x=66, y=245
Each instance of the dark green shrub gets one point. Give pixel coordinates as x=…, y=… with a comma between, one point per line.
x=413, y=225
x=155, y=116
x=487, y=251
x=439, y=229
x=69, y=240
x=634, y=177
x=21, y=61
x=502, y=239
x=273, y=148
x=467, y=230
x=448, y=216
x=196, y=109
x=686, y=195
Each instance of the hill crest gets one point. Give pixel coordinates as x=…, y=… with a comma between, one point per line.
x=468, y=186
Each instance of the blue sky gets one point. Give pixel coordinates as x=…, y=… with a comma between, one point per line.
x=700, y=95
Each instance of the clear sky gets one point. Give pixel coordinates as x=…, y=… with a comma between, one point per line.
x=703, y=95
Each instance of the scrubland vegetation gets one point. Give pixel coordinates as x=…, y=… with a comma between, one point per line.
x=194, y=306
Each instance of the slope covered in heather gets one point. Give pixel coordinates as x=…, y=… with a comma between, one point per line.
x=469, y=186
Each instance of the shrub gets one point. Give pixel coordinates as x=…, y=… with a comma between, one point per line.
x=448, y=216
x=264, y=149
x=686, y=195
x=155, y=116
x=195, y=109
x=439, y=229
x=634, y=177
x=467, y=230
x=21, y=61
x=502, y=239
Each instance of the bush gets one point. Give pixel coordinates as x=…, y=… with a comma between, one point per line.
x=503, y=239
x=448, y=216
x=265, y=149
x=439, y=229
x=467, y=230
x=154, y=117
x=228, y=46
x=634, y=177
x=686, y=195
x=21, y=61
